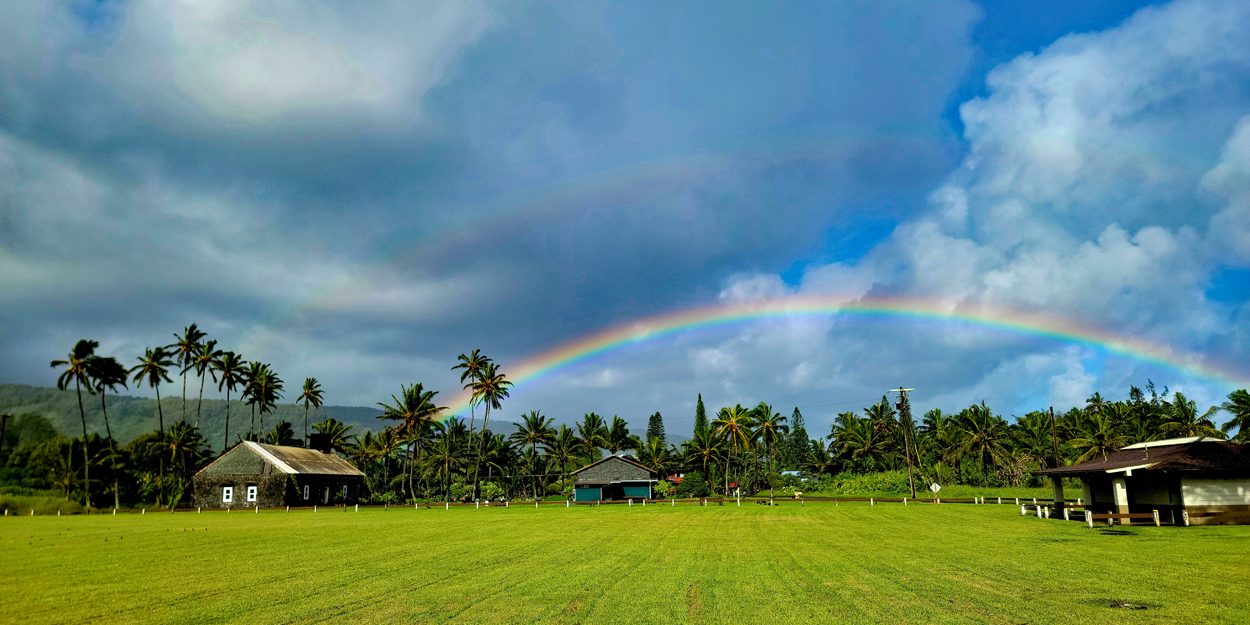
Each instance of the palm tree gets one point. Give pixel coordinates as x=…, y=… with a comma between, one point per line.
x=186, y=448
x=311, y=396
x=770, y=428
x=818, y=459
x=184, y=350
x=1096, y=436
x=563, y=448
x=338, y=434
x=704, y=449
x=591, y=434
x=491, y=388
x=733, y=426
x=203, y=363
x=618, y=438
x=107, y=373
x=471, y=365
x=78, y=370
x=1238, y=405
x=282, y=434
x=535, y=430
x=229, y=367
x=982, y=434
x=154, y=367
x=655, y=453
x=415, y=410
x=251, y=390
x=1183, y=419
x=267, y=391
x=445, y=456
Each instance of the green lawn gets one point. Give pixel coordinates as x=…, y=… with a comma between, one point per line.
x=812, y=564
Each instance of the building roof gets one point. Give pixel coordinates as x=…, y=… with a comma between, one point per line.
x=629, y=459
x=1187, y=455
x=292, y=460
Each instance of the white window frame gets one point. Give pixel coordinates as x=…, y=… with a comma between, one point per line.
x=227, y=494
x=305, y=492
x=251, y=493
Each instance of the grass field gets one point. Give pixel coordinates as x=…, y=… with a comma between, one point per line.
x=818, y=563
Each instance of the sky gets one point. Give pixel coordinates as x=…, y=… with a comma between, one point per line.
x=361, y=195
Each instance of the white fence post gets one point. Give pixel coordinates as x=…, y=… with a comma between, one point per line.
x=357, y=507
x=314, y=508
x=1000, y=500
x=1022, y=512
x=566, y=503
x=673, y=503
x=872, y=501
x=1184, y=517
x=143, y=511
x=1089, y=519
x=1156, y=515
x=904, y=501
x=1067, y=514
x=1017, y=501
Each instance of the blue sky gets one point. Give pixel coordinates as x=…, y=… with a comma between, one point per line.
x=362, y=195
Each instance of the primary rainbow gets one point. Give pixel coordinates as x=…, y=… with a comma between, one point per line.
x=1012, y=321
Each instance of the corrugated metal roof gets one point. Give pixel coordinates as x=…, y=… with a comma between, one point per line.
x=1202, y=455
x=297, y=460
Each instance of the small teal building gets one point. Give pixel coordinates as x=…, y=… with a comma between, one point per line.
x=614, y=478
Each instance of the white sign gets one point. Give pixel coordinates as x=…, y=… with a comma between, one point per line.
x=934, y=487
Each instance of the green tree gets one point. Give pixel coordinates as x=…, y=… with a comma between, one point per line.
x=1238, y=405
x=700, y=416
x=983, y=435
x=618, y=438
x=415, y=411
x=282, y=434
x=78, y=370
x=231, y=375
x=704, y=450
x=733, y=425
x=184, y=350
x=471, y=367
x=106, y=373
x=770, y=429
x=535, y=430
x=153, y=368
x=655, y=428
x=563, y=448
x=1183, y=419
x=203, y=363
x=796, y=441
x=592, y=434
x=1096, y=436
x=310, y=396
x=338, y=434
x=491, y=388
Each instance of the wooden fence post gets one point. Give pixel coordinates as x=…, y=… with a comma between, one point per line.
x=1185, y=517
x=1000, y=500
x=1089, y=520
x=1066, y=515
x=1022, y=511
x=314, y=508
x=1156, y=515
x=904, y=502
x=872, y=502
x=1017, y=501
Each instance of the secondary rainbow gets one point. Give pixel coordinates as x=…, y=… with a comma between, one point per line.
x=997, y=318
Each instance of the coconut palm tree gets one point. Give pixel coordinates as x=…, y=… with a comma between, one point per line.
x=184, y=349
x=471, y=366
x=445, y=456
x=704, y=449
x=252, y=375
x=1096, y=435
x=267, y=392
x=618, y=438
x=106, y=373
x=203, y=363
x=338, y=434
x=733, y=425
x=415, y=410
x=1183, y=419
x=78, y=370
x=1238, y=405
x=311, y=396
x=770, y=429
x=153, y=368
x=535, y=430
x=232, y=375
x=982, y=435
x=563, y=448
x=282, y=434
x=491, y=388
x=591, y=434
x=655, y=453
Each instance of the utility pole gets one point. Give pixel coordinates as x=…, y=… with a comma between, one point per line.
x=1056, y=482
x=904, y=411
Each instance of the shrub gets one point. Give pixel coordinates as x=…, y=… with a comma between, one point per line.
x=664, y=489
x=692, y=485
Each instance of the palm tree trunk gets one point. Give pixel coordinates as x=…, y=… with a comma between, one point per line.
x=112, y=448
x=184, y=395
x=481, y=447
x=160, y=462
x=305, y=424
x=251, y=429
x=86, y=462
x=200, y=402
x=225, y=439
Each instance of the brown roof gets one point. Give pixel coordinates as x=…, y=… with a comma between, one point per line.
x=297, y=460
x=1201, y=455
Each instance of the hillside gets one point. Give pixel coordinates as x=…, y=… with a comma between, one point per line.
x=131, y=416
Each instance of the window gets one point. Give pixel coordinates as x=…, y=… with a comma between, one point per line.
x=251, y=493
x=305, y=492
x=227, y=494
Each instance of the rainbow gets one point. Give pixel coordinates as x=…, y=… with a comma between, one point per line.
x=1018, y=322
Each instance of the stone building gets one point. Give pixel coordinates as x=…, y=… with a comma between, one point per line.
x=613, y=478
x=254, y=474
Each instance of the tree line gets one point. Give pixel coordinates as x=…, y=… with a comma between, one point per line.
x=423, y=453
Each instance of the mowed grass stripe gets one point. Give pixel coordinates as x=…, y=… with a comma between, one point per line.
x=850, y=563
